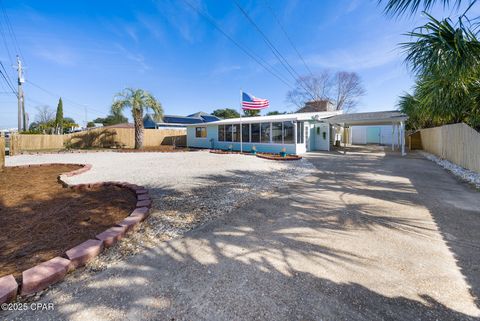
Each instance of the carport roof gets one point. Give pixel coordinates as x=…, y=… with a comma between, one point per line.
x=370, y=118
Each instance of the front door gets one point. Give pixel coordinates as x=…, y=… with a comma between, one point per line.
x=373, y=135
x=322, y=136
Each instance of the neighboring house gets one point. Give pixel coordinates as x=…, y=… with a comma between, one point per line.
x=297, y=133
x=178, y=121
x=316, y=106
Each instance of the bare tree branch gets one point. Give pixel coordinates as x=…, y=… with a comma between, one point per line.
x=343, y=89
x=348, y=89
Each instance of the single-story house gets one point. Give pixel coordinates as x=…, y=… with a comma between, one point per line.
x=297, y=133
x=174, y=121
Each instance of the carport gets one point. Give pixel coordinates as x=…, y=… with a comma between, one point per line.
x=394, y=118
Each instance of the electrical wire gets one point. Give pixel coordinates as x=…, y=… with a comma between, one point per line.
x=280, y=24
x=256, y=58
x=283, y=61
x=100, y=113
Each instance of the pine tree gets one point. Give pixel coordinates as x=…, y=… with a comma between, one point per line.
x=59, y=117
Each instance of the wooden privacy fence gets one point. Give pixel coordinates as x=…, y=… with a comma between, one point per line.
x=2, y=152
x=97, y=138
x=458, y=143
x=19, y=143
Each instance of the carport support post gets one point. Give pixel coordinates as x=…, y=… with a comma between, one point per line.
x=344, y=139
x=393, y=136
x=402, y=137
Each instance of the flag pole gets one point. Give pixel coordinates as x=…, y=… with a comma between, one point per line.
x=241, y=134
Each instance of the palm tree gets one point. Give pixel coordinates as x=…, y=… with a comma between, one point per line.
x=399, y=7
x=445, y=58
x=137, y=100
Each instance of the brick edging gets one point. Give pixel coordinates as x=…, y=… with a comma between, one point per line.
x=54, y=270
x=283, y=159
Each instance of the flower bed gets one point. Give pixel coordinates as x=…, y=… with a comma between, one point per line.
x=279, y=157
x=48, y=230
x=225, y=152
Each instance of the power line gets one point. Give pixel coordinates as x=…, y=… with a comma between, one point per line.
x=11, y=31
x=275, y=51
x=277, y=19
x=100, y=113
x=256, y=58
x=8, y=83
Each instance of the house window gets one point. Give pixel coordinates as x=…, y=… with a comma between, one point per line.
x=265, y=132
x=221, y=133
x=255, y=133
x=300, y=126
x=245, y=133
x=236, y=133
x=277, y=133
x=228, y=133
x=288, y=132
x=200, y=132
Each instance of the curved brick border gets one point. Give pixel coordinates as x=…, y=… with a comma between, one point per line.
x=47, y=273
x=228, y=152
x=279, y=158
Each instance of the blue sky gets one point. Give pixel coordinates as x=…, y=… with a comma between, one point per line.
x=87, y=51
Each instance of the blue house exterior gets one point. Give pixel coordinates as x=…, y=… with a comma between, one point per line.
x=296, y=133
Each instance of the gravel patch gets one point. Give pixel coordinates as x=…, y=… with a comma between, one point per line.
x=187, y=189
x=462, y=173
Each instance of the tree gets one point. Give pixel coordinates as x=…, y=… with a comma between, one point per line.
x=251, y=112
x=59, y=117
x=343, y=88
x=44, y=114
x=68, y=124
x=90, y=124
x=275, y=112
x=348, y=89
x=111, y=120
x=138, y=100
x=399, y=7
x=226, y=113
x=445, y=58
x=308, y=88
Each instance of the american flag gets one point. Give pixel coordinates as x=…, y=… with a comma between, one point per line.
x=250, y=102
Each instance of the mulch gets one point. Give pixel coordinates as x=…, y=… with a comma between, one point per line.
x=39, y=219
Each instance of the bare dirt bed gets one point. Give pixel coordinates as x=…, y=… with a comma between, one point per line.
x=39, y=219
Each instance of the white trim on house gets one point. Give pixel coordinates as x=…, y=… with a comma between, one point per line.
x=273, y=118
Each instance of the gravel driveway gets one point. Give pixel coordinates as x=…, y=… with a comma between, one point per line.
x=187, y=188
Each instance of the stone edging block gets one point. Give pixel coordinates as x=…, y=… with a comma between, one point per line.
x=8, y=288
x=43, y=275
x=81, y=254
x=112, y=235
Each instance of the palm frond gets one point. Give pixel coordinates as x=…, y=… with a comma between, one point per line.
x=400, y=7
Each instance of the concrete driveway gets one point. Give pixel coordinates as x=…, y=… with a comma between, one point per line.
x=369, y=236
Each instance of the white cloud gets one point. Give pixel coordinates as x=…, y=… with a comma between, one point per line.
x=137, y=58
x=58, y=54
x=369, y=55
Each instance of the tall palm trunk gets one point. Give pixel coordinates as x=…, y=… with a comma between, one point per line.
x=138, y=121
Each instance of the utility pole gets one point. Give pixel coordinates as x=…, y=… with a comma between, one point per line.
x=21, y=98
